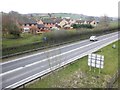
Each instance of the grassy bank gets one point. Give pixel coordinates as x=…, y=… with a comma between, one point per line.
x=55, y=36
x=77, y=74
x=28, y=42
x=11, y=47
x=26, y=38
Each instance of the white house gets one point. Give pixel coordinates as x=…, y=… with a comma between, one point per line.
x=26, y=29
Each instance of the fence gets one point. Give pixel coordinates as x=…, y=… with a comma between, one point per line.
x=113, y=79
x=16, y=50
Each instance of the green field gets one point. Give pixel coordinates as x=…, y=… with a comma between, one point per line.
x=77, y=74
x=25, y=39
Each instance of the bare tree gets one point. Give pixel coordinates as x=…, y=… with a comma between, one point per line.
x=9, y=26
x=50, y=15
x=104, y=21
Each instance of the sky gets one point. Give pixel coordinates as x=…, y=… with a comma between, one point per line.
x=86, y=7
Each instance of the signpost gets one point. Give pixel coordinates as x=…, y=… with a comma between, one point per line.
x=45, y=39
x=95, y=60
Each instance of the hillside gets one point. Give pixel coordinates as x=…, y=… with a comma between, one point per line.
x=62, y=15
x=19, y=18
x=72, y=16
x=31, y=17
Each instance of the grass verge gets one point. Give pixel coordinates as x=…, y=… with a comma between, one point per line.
x=77, y=74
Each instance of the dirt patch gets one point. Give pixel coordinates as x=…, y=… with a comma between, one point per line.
x=81, y=79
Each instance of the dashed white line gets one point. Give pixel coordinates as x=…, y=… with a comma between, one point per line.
x=48, y=51
x=52, y=57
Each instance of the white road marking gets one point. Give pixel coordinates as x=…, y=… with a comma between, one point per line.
x=11, y=71
x=53, y=57
x=48, y=70
x=48, y=50
x=41, y=53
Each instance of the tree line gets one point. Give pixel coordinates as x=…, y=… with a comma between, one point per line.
x=10, y=26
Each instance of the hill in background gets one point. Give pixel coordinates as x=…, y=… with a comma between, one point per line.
x=32, y=17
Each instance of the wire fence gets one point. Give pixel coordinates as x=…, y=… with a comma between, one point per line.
x=113, y=79
x=51, y=42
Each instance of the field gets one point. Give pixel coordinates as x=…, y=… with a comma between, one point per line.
x=25, y=39
x=77, y=74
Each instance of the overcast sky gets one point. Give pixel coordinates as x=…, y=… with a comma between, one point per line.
x=86, y=7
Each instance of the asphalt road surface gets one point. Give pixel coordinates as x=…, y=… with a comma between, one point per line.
x=21, y=70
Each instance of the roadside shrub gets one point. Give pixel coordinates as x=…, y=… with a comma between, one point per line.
x=58, y=37
x=82, y=26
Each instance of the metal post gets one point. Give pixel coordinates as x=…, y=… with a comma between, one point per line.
x=90, y=68
x=99, y=70
x=94, y=69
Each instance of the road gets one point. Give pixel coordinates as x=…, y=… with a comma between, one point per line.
x=24, y=69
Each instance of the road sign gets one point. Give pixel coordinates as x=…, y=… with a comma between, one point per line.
x=95, y=60
x=44, y=38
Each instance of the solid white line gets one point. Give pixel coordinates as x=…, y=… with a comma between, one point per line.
x=17, y=76
x=29, y=78
x=41, y=52
x=55, y=67
x=53, y=57
x=48, y=50
x=8, y=72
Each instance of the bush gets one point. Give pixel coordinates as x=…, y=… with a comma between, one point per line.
x=82, y=26
x=58, y=37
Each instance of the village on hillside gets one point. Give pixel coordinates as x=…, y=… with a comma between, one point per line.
x=66, y=44
x=15, y=23
x=53, y=23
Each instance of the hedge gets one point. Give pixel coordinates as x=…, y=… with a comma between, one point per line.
x=57, y=37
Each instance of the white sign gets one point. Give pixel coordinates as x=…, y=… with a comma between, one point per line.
x=95, y=60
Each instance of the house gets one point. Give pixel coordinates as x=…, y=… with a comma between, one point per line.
x=79, y=22
x=34, y=27
x=54, y=28
x=41, y=29
x=49, y=23
x=68, y=26
x=39, y=22
x=26, y=27
x=94, y=23
x=71, y=21
x=57, y=20
x=63, y=23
